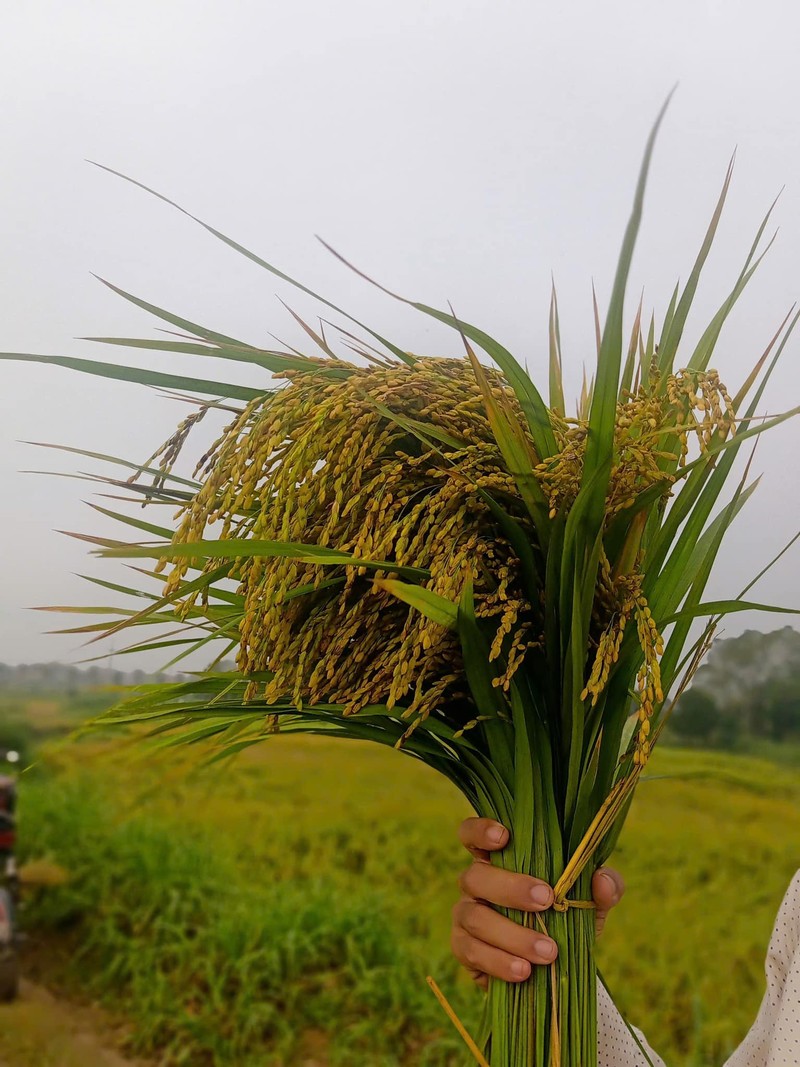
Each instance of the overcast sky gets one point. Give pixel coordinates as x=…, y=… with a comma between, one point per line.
x=456, y=149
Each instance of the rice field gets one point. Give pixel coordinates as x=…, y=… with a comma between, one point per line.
x=285, y=909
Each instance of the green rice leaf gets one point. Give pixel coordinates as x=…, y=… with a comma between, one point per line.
x=238, y=548
x=434, y=607
x=140, y=375
x=183, y=324
x=269, y=360
x=669, y=345
x=556, y=377
x=130, y=520
x=399, y=353
x=117, y=461
x=626, y=383
x=726, y=607
x=514, y=448
x=599, y=445
x=701, y=356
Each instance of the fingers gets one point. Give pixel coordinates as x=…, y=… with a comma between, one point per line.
x=482, y=836
x=483, y=941
x=608, y=888
x=487, y=943
x=482, y=960
x=505, y=888
x=480, y=933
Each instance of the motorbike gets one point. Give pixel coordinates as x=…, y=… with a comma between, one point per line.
x=9, y=887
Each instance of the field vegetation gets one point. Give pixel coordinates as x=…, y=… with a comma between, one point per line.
x=285, y=909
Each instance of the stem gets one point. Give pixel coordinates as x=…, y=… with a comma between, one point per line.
x=521, y=1028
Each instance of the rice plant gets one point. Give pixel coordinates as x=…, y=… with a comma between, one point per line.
x=423, y=552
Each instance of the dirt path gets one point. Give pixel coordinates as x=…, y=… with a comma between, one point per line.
x=39, y=1030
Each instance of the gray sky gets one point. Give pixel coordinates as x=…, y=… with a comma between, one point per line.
x=455, y=149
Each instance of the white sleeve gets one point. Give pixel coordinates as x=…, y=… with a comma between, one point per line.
x=616, y=1046
x=774, y=1040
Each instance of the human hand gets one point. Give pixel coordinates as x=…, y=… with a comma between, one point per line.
x=487, y=943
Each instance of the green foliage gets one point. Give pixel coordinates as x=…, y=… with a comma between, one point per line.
x=239, y=932
x=780, y=710
x=700, y=720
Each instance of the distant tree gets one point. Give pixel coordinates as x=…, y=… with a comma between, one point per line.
x=753, y=681
x=779, y=709
x=697, y=717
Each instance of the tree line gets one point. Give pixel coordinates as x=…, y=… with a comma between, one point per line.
x=748, y=689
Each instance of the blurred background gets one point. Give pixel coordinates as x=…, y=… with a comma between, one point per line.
x=285, y=909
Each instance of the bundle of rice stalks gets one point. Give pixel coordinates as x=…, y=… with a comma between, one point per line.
x=421, y=552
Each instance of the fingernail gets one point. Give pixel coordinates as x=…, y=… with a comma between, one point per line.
x=542, y=895
x=520, y=968
x=497, y=835
x=610, y=883
x=548, y=950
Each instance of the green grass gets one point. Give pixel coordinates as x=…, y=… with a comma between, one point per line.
x=783, y=752
x=288, y=907
x=259, y=907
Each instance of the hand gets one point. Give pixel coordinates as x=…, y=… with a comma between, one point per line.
x=487, y=943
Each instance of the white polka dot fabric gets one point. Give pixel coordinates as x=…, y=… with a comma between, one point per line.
x=774, y=1040
x=616, y=1047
